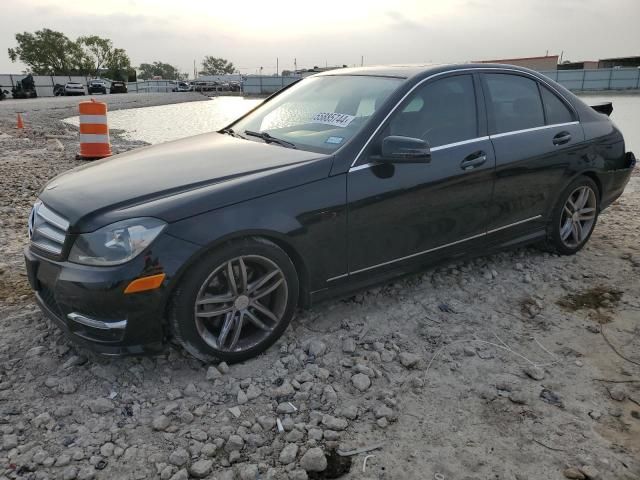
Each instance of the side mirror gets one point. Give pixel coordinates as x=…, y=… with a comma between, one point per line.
x=397, y=149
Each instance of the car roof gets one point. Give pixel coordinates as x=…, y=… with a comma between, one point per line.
x=420, y=70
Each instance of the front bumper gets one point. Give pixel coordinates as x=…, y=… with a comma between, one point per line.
x=88, y=303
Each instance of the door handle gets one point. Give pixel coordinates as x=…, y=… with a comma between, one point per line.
x=562, y=138
x=474, y=160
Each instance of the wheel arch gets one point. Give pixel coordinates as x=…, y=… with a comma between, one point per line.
x=276, y=238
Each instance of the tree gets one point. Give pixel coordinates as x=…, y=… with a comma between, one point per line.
x=47, y=52
x=158, y=69
x=118, y=66
x=216, y=66
x=97, y=51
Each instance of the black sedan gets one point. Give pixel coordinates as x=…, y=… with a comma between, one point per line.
x=118, y=87
x=342, y=180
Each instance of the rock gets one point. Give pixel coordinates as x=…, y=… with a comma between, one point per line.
x=9, y=441
x=235, y=411
x=179, y=457
x=361, y=381
x=267, y=423
x=409, y=360
x=160, y=423
x=314, y=460
x=298, y=475
x=55, y=145
x=284, y=390
x=317, y=348
x=41, y=420
x=106, y=450
x=63, y=460
x=100, y=405
x=518, y=397
x=213, y=373
x=66, y=386
x=618, y=393
x=180, y=475
x=227, y=474
x=70, y=473
x=223, y=367
x=242, y=397
x=253, y=392
x=209, y=450
x=551, y=398
x=201, y=468
x=590, y=472
x=288, y=454
x=383, y=411
x=348, y=345
x=535, y=373
x=285, y=408
x=382, y=422
x=334, y=423
x=234, y=444
x=248, y=471
x=573, y=473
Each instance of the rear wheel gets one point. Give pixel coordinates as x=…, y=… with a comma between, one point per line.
x=574, y=217
x=236, y=302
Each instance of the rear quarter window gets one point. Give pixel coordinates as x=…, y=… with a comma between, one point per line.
x=556, y=110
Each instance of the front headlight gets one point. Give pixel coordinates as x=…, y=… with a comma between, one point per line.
x=116, y=243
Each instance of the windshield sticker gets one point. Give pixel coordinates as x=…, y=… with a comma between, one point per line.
x=336, y=119
x=334, y=140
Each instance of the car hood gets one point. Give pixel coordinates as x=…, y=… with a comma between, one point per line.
x=178, y=179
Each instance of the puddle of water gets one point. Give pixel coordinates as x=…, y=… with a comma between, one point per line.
x=171, y=122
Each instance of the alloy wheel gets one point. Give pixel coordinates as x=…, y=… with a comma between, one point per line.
x=241, y=303
x=578, y=216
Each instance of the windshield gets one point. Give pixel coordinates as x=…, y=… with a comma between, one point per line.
x=320, y=114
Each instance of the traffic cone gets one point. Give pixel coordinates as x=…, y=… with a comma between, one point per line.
x=20, y=125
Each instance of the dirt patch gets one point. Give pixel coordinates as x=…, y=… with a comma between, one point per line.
x=599, y=298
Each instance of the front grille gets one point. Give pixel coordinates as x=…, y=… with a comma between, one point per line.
x=47, y=229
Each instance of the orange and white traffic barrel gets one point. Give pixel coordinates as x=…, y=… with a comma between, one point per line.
x=94, y=131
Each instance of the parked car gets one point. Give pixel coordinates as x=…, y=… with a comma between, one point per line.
x=97, y=86
x=74, y=88
x=118, y=87
x=182, y=87
x=342, y=180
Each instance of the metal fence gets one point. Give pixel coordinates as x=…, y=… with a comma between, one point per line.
x=45, y=83
x=600, y=79
x=265, y=85
x=576, y=80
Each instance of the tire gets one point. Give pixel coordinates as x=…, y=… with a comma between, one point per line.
x=206, y=304
x=562, y=236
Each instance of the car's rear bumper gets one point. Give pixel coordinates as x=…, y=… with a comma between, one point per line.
x=90, y=306
x=615, y=181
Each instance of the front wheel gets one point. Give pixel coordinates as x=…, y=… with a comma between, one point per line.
x=235, y=302
x=574, y=217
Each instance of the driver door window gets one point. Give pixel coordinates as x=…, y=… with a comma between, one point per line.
x=441, y=112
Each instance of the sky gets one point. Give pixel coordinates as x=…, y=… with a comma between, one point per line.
x=254, y=33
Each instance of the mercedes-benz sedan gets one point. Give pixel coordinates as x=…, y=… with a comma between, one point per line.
x=339, y=181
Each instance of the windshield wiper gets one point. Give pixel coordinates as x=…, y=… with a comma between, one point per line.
x=230, y=131
x=270, y=139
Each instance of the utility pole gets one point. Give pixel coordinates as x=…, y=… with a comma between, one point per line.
x=194, y=69
x=277, y=67
x=295, y=66
x=362, y=61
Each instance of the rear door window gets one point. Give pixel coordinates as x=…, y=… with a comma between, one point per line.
x=557, y=111
x=513, y=102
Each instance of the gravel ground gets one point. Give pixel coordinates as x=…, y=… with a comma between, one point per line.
x=521, y=365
